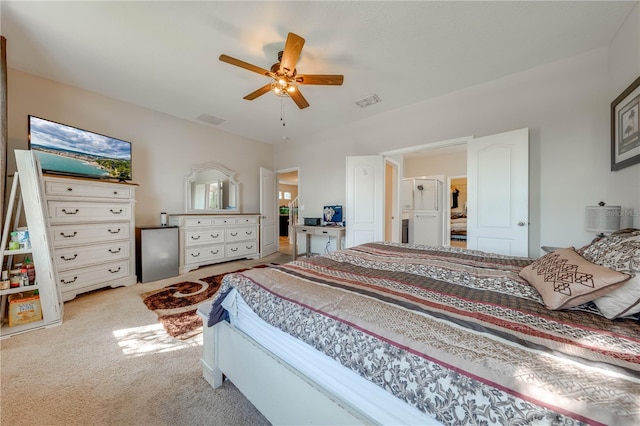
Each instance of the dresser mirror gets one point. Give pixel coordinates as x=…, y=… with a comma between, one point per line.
x=211, y=188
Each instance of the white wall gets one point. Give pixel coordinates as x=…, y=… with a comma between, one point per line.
x=564, y=104
x=624, y=68
x=164, y=147
x=454, y=164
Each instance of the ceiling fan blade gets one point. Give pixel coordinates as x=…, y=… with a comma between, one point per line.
x=330, y=80
x=245, y=65
x=261, y=91
x=291, y=53
x=299, y=99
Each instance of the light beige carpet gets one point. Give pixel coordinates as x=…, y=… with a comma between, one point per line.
x=112, y=363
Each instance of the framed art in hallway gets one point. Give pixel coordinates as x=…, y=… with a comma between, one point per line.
x=625, y=129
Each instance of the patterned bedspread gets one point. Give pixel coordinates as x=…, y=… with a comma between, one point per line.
x=456, y=333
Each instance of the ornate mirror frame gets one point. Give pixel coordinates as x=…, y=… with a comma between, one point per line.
x=227, y=188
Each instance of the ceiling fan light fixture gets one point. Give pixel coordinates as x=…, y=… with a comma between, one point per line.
x=284, y=75
x=282, y=87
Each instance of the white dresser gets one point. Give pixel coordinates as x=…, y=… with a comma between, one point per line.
x=92, y=225
x=206, y=239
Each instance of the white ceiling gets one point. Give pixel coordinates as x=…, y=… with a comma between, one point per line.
x=164, y=55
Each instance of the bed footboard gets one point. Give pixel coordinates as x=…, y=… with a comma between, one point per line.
x=210, y=373
x=280, y=393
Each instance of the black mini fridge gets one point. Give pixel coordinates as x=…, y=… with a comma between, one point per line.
x=156, y=253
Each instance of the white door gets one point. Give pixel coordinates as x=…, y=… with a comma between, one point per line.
x=269, y=241
x=498, y=193
x=365, y=200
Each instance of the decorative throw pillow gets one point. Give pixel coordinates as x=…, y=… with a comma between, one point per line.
x=565, y=279
x=619, y=251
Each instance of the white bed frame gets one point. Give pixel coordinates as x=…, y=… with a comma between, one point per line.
x=281, y=393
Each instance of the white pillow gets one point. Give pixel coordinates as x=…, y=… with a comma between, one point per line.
x=621, y=252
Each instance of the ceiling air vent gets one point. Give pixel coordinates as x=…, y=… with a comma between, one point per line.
x=211, y=119
x=369, y=100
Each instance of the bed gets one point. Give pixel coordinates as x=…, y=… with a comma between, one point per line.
x=386, y=333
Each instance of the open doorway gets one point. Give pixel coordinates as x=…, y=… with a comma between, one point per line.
x=287, y=202
x=458, y=202
x=442, y=164
x=391, y=210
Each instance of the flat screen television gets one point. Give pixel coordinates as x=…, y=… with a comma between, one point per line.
x=67, y=150
x=332, y=215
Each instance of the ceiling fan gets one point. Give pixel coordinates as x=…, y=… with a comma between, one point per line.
x=285, y=78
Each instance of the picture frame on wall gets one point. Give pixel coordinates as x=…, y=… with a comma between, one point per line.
x=625, y=128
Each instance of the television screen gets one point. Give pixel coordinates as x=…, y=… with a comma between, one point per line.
x=71, y=151
x=332, y=215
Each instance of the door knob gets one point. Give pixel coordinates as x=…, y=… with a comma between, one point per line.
x=521, y=223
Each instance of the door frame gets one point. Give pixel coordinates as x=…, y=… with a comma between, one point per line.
x=278, y=173
x=397, y=156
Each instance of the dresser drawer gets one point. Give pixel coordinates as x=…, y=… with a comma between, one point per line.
x=241, y=233
x=78, y=257
x=221, y=221
x=203, y=236
x=203, y=254
x=239, y=220
x=307, y=229
x=79, y=278
x=72, y=235
x=70, y=188
x=74, y=212
x=191, y=222
x=247, y=220
x=241, y=248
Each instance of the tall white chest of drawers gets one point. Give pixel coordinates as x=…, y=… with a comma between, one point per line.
x=92, y=225
x=213, y=238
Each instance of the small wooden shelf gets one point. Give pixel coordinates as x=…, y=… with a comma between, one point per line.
x=18, y=289
x=8, y=252
x=26, y=197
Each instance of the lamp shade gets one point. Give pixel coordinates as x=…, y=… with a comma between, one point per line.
x=603, y=218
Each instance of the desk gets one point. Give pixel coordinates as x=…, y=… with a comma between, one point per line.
x=329, y=231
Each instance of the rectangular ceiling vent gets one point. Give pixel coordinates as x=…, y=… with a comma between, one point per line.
x=211, y=119
x=368, y=101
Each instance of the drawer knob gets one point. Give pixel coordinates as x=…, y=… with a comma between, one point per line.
x=116, y=271
x=113, y=232
x=248, y=247
x=215, y=236
x=195, y=237
x=115, y=251
x=69, y=258
x=69, y=189
x=234, y=234
x=115, y=192
x=234, y=249
x=215, y=252
x=195, y=254
x=248, y=232
x=70, y=212
x=115, y=212
x=70, y=235
x=70, y=281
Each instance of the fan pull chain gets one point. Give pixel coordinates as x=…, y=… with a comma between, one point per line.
x=282, y=117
